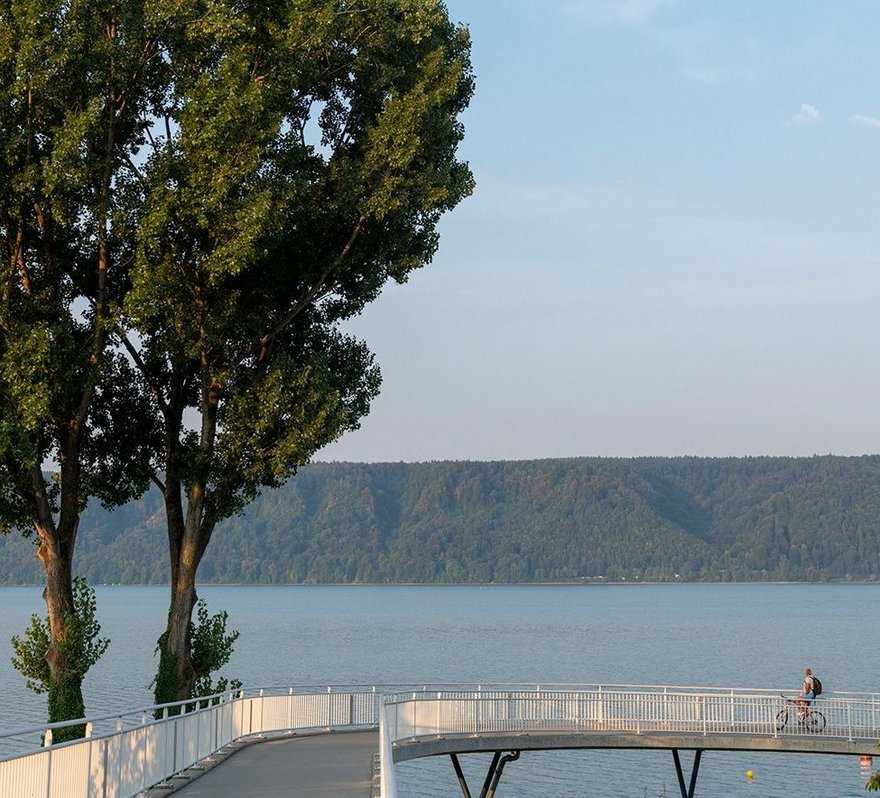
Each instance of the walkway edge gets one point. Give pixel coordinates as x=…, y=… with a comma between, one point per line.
x=203, y=766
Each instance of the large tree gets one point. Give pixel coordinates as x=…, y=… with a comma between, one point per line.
x=75, y=83
x=303, y=155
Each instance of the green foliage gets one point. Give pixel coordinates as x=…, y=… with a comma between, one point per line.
x=705, y=519
x=66, y=702
x=30, y=655
x=81, y=650
x=308, y=156
x=297, y=157
x=193, y=198
x=77, y=82
x=164, y=683
x=75, y=88
x=211, y=649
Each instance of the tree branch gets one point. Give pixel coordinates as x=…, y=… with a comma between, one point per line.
x=137, y=173
x=155, y=388
x=154, y=478
x=319, y=286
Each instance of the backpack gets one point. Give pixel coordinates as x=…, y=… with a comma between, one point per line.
x=817, y=686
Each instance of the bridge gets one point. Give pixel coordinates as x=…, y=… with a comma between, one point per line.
x=126, y=755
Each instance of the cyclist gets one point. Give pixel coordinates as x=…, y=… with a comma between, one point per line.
x=803, y=701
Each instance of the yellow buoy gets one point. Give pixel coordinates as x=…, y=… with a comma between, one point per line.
x=749, y=774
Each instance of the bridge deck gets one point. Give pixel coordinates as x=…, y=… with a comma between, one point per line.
x=549, y=740
x=336, y=765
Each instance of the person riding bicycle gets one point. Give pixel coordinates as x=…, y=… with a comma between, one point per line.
x=809, y=694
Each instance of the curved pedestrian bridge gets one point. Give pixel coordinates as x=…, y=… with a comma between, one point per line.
x=124, y=755
x=420, y=724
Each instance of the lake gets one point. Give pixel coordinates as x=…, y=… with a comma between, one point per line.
x=718, y=635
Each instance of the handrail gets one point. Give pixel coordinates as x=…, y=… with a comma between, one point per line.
x=137, y=751
x=415, y=715
x=92, y=720
x=424, y=687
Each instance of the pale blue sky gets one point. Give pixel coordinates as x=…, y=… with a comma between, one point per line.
x=672, y=248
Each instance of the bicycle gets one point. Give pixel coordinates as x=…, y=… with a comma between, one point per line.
x=808, y=717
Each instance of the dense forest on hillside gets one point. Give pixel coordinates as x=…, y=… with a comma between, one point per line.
x=587, y=519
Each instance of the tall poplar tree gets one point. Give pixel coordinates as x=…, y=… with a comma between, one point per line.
x=194, y=195
x=304, y=154
x=75, y=80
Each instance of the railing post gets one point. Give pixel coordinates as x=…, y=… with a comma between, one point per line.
x=329, y=707
x=105, y=745
x=639, y=711
x=478, y=714
x=732, y=713
x=119, y=726
x=88, y=734
x=289, y=708
x=704, y=715
x=377, y=709
x=49, y=765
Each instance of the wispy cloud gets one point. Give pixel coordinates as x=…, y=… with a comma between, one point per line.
x=870, y=121
x=624, y=13
x=808, y=114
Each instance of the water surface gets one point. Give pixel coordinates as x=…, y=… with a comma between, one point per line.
x=693, y=634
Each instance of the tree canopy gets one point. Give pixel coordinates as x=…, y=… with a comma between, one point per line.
x=75, y=86
x=299, y=157
x=196, y=195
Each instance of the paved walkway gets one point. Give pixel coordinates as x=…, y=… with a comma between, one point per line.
x=334, y=765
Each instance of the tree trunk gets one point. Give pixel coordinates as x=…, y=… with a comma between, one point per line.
x=175, y=677
x=188, y=540
x=65, y=681
x=188, y=537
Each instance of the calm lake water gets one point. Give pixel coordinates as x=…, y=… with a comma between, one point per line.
x=712, y=635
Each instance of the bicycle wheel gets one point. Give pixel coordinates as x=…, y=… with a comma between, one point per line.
x=781, y=718
x=815, y=722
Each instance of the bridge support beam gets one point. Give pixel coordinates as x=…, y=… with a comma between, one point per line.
x=462, y=781
x=511, y=757
x=689, y=792
x=493, y=776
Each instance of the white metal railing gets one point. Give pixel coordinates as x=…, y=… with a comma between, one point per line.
x=123, y=754
x=603, y=708
x=492, y=709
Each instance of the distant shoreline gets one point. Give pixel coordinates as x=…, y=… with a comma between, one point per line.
x=569, y=583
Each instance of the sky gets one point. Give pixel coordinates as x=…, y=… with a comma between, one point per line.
x=672, y=248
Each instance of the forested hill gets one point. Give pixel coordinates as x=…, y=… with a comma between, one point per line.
x=646, y=519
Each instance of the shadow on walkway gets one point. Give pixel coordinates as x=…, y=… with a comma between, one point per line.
x=336, y=764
